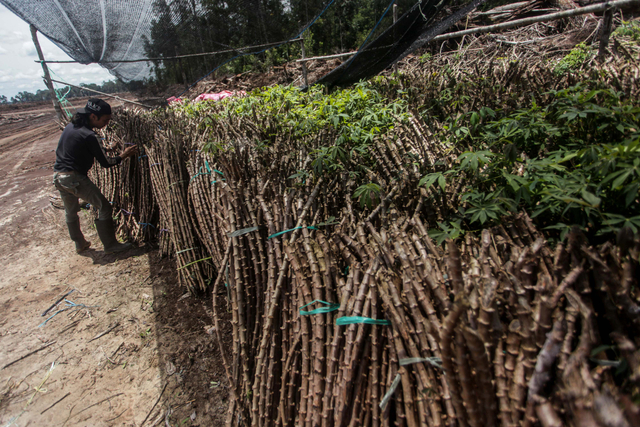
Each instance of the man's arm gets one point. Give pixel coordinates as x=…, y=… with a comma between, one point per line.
x=107, y=162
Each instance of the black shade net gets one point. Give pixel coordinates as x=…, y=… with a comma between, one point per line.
x=114, y=33
x=424, y=21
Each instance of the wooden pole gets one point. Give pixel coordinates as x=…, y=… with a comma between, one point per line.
x=337, y=55
x=395, y=18
x=304, y=64
x=542, y=18
x=102, y=93
x=47, y=77
x=605, y=32
x=191, y=55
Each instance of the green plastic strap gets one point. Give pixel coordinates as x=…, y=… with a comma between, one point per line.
x=435, y=361
x=341, y=321
x=177, y=182
x=217, y=171
x=292, y=229
x=331, y=306
x=191, y=263
x=198, y=174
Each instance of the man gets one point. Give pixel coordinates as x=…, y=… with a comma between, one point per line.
x=77, y=149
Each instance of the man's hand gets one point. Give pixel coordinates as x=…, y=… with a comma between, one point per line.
x=129, y=151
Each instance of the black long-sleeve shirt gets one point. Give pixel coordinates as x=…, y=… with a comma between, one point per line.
x=77, y=149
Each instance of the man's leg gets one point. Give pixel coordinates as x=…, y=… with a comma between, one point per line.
x=67, y=186
x=104, y=224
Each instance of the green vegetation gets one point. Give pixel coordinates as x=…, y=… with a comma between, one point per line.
x=574, y=59
x=351, y=118
x=630, y=29
x=575, y=161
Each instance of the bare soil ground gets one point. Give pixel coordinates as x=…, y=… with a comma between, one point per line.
x=127, y=347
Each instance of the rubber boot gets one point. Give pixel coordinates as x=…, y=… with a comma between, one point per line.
x=107, y=234
x=76, y=235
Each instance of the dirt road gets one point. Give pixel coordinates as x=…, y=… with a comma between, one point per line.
x=125, y=347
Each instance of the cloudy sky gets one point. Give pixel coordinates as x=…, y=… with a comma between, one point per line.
x=19, y=72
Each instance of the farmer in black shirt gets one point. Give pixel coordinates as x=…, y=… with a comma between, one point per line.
x=77, y=149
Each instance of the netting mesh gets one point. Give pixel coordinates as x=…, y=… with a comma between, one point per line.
x=99, y=31
x=110, y=32
x=416, y=27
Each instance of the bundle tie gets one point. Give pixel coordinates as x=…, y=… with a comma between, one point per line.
x=311, y=227
x=185, y=250
x=434, y=361
x=191, y=263
x=331, y=306
x=341, y=321
x=242, y=232
x=392, y=389
x=208, y=172
x=145, y=224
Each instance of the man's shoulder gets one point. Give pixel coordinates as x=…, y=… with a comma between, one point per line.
x=79, y=131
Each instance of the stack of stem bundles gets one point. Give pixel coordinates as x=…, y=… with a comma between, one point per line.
x=496, y=330
x=349, y=315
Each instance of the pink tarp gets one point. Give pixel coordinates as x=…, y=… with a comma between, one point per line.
x=210, y=96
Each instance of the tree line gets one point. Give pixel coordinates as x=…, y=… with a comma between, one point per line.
x=85, y=89
x=194, y=26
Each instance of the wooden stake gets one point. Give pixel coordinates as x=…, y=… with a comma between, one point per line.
x=47, y=77
x=304, y=65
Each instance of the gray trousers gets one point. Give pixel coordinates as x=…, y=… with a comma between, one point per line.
x=73, y=186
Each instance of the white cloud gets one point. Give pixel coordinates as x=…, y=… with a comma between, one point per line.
x=28, y=49
x=19, y=71
x=32, y=76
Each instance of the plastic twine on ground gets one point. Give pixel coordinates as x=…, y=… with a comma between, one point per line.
x=330, y=306
x=70, y=305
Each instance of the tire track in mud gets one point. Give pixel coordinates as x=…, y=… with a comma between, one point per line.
x=35, y=135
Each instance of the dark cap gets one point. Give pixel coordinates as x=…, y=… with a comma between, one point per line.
x=96, y=106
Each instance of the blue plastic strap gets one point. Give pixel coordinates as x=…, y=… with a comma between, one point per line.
x=331, y=306
x=341, y=321
x=292, y=229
